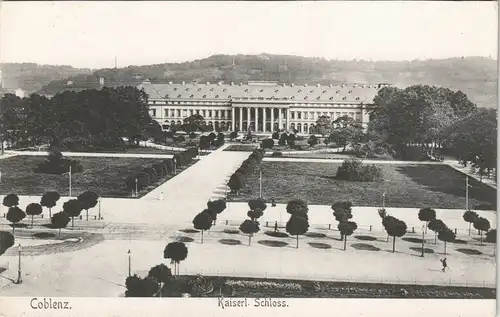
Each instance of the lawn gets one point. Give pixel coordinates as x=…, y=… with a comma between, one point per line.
x=437, y=186
x=105, y=176
x=333, y=156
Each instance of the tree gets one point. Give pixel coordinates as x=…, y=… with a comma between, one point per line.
x=177, y=252
x=220, y=139
x=216, y=207
x=59, y=220
x=33, y=209
x=395, y=228
x=346, y=132
x=298, y=224
x=491, y=237
x=233, y=135
x=313, y=140
x=446, y=235
x=437, y=225
x=297, y=206
x=267, y=143
x=426, y=214
x=204, y=142
x=290, y=140
x=72, y=208
x=249, y=227
x=482, y=224
x=257, y=207
x=236, y=182
x=283, y=139
x=202, y=221
x=470, y=217
x=6, y=241
x=346, y=228
x=138, y=287
x=324, y=125
x=88, y=199
x=49, y=200
x=193, y=123
x=162, y=274
x=11, y=200
x=342, y=211
x=14, y=215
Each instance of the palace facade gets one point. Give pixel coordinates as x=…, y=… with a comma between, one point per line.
x=263, y=107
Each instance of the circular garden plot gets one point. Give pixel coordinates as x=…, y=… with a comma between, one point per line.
x=184, y=239
x=364, y=246
x=44, y=235
x=419, y=250
x=189, y=231
x=315, y=235
x=231, y=231
x=230, y=241
x=459, y=241
x=470, y=251
x=272, y=243
x=412, y=240
x=365, y=238
x=320, y=245
x=277, y=234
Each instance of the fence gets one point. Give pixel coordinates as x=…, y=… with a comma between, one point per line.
x=351, y=279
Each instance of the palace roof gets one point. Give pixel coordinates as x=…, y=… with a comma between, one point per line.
x=351, y=93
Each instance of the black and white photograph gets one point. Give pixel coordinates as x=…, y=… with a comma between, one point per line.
x=247, y=155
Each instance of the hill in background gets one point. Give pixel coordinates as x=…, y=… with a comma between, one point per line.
x=475, y=76
x=31, y=77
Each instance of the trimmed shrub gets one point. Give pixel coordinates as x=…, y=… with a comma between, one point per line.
x=151, y=172
x=355, y=170
x=143, y=180
x=277, y=154
x=160, y=169
x=267, y=143
x=169, y=165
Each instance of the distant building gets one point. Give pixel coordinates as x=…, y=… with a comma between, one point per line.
x=260, y=106
x=20, y=93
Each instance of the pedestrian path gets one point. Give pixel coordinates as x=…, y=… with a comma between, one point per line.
x=466, y=170
x=86, y=154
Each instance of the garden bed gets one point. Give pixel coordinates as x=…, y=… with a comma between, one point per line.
x=439, y=186
x=281, y=288
x=103, y=175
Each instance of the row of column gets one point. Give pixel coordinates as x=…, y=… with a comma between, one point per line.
x=244, y=118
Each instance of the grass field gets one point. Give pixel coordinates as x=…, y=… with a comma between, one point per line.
x=105, y=176
x=437, y=186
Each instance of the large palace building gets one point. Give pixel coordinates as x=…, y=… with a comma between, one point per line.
x=263, y=107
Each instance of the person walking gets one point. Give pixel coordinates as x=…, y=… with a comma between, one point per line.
x=275, y=226
x=273, y=203
x=445, y=265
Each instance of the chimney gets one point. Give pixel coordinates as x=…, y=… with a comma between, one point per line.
x=232, y=83
x=101, y=81
x=208, y=83
x=170, y=83
x=183, y=83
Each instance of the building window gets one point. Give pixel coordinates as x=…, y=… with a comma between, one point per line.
x=166, y=112
x=305, y=115
x=204, y=96
x=153, y=112
x=292, y=115
x=210, y=113
x=178, y=112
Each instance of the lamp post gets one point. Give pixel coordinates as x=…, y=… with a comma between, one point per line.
x=129, y=262
x=136, y=187
x=383, y=200
x=19, y=279
x=99, y=208
x=423, y=232
x=260, y=183
x=69, y=180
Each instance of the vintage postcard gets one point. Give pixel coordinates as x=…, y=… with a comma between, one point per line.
x=248, y=158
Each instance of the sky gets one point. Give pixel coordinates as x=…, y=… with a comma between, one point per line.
x=91, y=34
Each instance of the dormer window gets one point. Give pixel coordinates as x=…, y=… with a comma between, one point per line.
x=216, y=96
x=191, y=96
x=262, y=90
x=331, y=98
x=305, y=98
x=229, y=96
x=357, y=98
x=246, y=90
x=175, y=89
x=317, y=98
x=312, y=90
x=338, y=91
x=224, y=90
x=350, y=91
x=343, y=98
x=187, y=89
x=211, y=89
x=276, y=90
x=178, y=96
x=324, y=91
x=299, y=91
x=199, y=89
x=204, y=96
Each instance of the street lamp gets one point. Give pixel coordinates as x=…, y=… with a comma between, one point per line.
x=19, y=279
x=99, y=208
x=423, y=232
x=136, y=187
x=260, y=183
x=129, y=262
